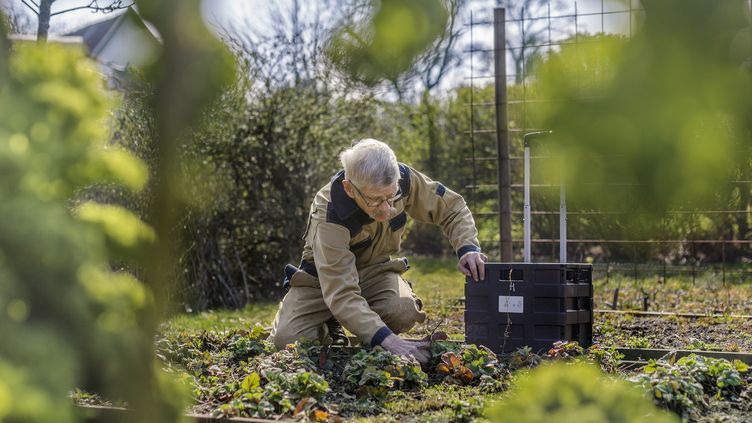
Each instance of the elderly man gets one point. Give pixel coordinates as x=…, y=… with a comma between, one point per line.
x=347, y=273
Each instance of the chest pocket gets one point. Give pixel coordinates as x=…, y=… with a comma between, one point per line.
x=361, y=241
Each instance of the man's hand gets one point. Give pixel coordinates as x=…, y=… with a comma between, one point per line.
x=398, y=346
x=472, y=264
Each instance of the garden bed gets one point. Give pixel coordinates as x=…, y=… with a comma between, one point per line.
x=232, y=371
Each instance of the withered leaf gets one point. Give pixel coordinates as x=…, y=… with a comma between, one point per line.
x=451, y=359
x=300, y=407
x=463, y=373
x=443, y=369
x=320, y=415
x=439, y=336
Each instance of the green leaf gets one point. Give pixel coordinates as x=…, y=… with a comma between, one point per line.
x=251, y=382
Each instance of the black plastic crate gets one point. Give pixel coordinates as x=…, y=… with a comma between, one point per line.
x=530, y=304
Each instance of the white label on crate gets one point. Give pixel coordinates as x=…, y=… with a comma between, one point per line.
x=510, y=304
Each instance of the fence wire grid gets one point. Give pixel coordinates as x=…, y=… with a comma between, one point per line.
x=524, y=30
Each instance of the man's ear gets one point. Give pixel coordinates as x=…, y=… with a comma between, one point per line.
x=348, y=188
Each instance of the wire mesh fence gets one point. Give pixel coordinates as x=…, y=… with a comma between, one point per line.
x=508, y=41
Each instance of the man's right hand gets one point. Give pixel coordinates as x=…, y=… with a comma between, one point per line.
x=398, y=346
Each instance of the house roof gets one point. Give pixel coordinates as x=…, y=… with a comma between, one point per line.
x=96, y=35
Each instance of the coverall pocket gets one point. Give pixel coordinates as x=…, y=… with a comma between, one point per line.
x=304, y=279
x=399, y=265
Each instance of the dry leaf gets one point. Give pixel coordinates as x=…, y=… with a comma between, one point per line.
x=443, y=369
x=464, y=374
x=320, y=415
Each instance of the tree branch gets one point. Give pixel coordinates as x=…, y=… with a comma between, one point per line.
x=36, y=11
x=95, y=7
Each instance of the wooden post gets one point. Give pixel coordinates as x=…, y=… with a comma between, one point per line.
x=502, y=137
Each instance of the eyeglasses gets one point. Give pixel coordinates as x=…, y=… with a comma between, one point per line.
x=370, y=202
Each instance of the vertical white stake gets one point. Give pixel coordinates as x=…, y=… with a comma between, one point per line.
x=526, y=212
x=562, y=223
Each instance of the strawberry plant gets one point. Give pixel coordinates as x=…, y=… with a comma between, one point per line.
x=245, y=345
x=608, y=358
x=467, y=365
x=718, y=377
x=689, y=382
x=672, y=388
x=523, y=358
x=565, y=350
x=275, y=394
x=374, y=373
x=453, y=370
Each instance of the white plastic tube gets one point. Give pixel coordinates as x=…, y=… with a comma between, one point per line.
x=526, y=212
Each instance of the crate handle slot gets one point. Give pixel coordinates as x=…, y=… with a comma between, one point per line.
x=515, y=275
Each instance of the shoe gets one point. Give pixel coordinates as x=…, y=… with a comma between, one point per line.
x=337, y=333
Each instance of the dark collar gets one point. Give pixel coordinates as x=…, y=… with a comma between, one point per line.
x=344, y=206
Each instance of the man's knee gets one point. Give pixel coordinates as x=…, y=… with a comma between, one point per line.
x=401, y=314
x=281, y=338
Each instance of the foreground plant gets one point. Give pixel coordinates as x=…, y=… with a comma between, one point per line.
x=578, y=392
x=69, y=320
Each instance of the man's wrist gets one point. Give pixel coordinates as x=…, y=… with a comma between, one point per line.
x=467, y=249
x=380, y=335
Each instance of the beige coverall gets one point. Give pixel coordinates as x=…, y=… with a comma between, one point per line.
x=347, y=270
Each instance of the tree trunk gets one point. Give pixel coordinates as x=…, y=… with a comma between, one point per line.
x=43, y=27
x=432, y=163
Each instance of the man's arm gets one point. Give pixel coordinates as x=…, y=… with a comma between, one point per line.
x=338, y=276
x=431, y=202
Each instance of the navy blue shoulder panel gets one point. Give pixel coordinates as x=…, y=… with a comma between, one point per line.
x=362, y=244
x=354, y=223
x=440, y=190
x=404, y=181
x=351, y=224
x=397, y=222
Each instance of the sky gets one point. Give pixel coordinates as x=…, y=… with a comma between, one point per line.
x=237, y=12
x=240, y=14
x=214, y=10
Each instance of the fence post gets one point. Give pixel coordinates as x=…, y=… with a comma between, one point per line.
x=502, y=136
x=723, y=260
x=608, y=271
x=664, y=269
x=694, y=263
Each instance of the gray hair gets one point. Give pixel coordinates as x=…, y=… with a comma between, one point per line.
x=370, y=163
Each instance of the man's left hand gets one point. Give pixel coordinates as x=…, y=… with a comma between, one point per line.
x=472, y=264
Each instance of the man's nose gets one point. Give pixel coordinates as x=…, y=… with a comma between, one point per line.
x=385, y=207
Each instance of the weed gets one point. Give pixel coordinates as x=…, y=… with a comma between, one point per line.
x=638, y=342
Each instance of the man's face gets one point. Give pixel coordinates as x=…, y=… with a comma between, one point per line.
x=377, y=202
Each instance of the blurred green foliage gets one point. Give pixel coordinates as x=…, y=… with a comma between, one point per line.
x=385, y=43
x=68, y=320
x=574, y=392
x=659, y=122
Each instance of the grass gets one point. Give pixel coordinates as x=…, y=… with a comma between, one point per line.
x=222, y=320
x=674, y=294
x=436, y=280
x=438, y=403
